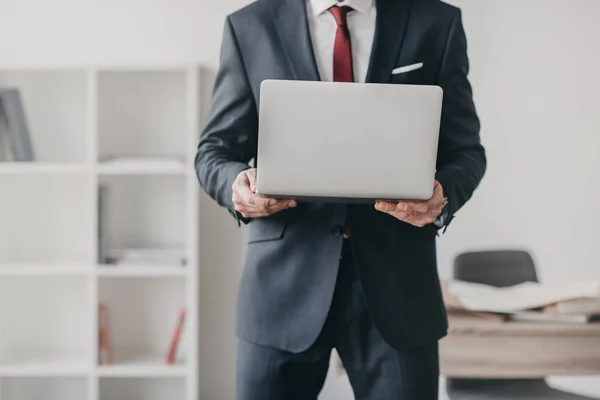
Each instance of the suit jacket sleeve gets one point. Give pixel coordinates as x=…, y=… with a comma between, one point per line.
x=461, y=158
x=229, y=139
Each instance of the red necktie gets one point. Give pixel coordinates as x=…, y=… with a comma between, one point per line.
x=342, y=54
x=342, y=51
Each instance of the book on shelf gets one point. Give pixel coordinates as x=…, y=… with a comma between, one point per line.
x=5, y=154
x=102, y=223
x=105, y=349
x=146, y=256
x=15, y=140
x=176, y=338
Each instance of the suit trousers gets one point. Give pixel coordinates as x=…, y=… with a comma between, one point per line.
x=376, y=370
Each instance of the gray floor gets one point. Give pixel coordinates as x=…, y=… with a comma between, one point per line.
x=514, y=390
x=338, y=388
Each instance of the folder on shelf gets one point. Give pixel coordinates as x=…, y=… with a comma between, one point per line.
x=13, y=123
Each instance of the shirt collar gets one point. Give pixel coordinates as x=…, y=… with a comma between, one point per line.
x=318, y=7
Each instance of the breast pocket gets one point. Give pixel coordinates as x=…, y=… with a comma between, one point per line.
x=266, y=229
x=410, y=74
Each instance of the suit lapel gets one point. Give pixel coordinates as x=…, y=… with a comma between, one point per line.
x=392, y=20
x=289, y=18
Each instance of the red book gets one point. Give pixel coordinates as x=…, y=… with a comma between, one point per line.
x=176, y=337
x=104, y=342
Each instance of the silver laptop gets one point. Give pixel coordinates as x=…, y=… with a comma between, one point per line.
x=347, y=141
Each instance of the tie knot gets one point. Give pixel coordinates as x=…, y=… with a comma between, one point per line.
x=340, y=14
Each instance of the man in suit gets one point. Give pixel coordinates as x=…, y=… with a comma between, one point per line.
x=361, y=279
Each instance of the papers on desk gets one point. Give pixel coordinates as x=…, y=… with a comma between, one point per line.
x=536, y=302
x=477, y=297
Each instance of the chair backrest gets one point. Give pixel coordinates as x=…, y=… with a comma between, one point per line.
x=500, y=268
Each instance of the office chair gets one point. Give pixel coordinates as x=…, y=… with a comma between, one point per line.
x=501, y=269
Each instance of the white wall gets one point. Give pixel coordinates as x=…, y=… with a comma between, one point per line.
x=534, y=68
x=38, y=33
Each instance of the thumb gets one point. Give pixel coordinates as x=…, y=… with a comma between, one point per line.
x=251, y=174
x=252, y=179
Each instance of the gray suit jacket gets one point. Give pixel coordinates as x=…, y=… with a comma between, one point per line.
x=293, y=257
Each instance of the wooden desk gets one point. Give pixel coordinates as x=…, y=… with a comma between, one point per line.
x=480, y=348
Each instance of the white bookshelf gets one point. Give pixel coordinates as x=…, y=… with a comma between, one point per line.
x=134, y=131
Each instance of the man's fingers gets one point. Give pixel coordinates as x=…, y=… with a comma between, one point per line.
x=259, y=206
x=253, y=211
x=250, y=214
x=402, y=207
x=249, y=198
x=421, y=207
x=418, y=220
x=263, y=204
x=241, y=203
x=385, y=206
x=417, y=214
x=247, y=203
x=241, y=187
x=252, y=180
x=405, y=206
x=411, y=207
x=401, y=215
x=282, y=205
x=251, y=174
x=437, y=188
x=413, y=218
x=429, y=206
x=392, y=209
x=434, y=204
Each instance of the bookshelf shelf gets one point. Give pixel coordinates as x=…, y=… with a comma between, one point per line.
x=44, y=269
x=50, y=367
x=44, y=387
x=142, y=270
x=141, y=388
x=142, y=167
x=42, y=168
x=142, y=367
x=142, y=371
x=132, y=132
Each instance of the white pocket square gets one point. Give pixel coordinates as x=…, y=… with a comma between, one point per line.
x=407, y=68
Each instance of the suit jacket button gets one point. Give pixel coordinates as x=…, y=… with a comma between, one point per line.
x=337, y=230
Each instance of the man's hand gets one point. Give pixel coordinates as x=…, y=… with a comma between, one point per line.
x=250, y=205
x=417, y=214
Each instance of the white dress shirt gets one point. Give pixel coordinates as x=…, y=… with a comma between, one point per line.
x=322, y=26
